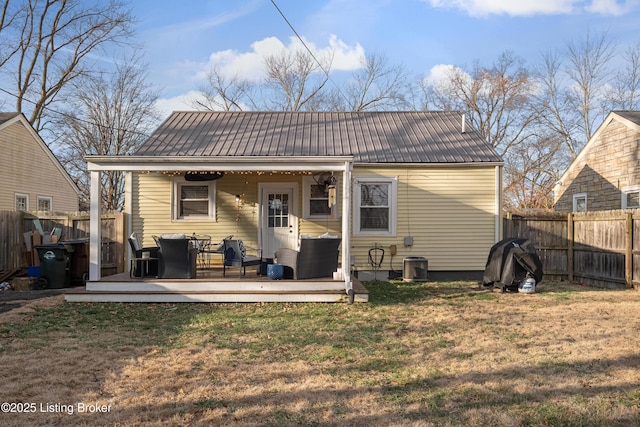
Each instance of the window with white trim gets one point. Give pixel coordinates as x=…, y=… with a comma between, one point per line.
x=580, y=202
x=631, y=197
x=375, y=206
x=22, y=202
x=315, y=198
x=193, y=200
x=45, y=203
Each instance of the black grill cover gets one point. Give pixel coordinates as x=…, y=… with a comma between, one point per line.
x=509, y=262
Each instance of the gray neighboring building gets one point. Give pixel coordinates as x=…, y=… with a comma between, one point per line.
x=606, y=173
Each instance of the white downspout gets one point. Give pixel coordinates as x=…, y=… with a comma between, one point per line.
x=346, y=229
x=95, y=229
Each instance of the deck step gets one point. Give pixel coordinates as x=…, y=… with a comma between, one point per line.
x=83, y=295
x=206, y=286
x=121, y=288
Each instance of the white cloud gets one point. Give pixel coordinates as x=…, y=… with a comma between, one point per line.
x=438, y=74
x=345, y=57
x=250, y=65
x=182, y=30
x=611, y=7
x=535, y=7
x=439, y=77
x=508, y=7
x=183, y=102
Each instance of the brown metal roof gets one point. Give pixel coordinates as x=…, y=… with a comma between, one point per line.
x=371, y=137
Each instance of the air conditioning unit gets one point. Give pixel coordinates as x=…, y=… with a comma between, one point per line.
x=415, y=269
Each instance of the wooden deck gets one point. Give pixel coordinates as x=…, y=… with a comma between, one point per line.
x=211, y=286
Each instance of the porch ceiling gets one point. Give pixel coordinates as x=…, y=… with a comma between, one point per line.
x=227, y=163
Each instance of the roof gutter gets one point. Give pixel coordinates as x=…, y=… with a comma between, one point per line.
x=431, y=164
x=219, y=163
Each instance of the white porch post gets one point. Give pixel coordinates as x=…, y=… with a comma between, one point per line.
x=498, y=204
x=346, y=226
x=128, y=203
x=95, y=228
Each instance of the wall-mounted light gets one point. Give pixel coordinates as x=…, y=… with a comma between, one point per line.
x=237, y=198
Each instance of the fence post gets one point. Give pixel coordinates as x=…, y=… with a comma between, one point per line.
x=628, y=255
x=570, y=246
x=507, y=225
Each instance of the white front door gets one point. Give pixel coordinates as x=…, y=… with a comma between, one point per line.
x=279, y=219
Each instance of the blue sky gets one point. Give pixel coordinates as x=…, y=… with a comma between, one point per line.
x=182, y=39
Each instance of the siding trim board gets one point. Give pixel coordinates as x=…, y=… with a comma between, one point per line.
x=440, y=165
x=218, y=163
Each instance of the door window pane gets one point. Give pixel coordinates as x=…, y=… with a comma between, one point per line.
x=278, y=213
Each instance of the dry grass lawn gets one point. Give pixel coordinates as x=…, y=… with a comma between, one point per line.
x=433, y=354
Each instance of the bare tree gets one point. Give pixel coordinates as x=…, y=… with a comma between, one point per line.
x=588, y=70
x=377, y=85
x=555, y=102
x=295, y=79
x=299, y=81
x=625, y=86
x=8, y=16
x=531, y=171
x=222, y=93
x=111, y=114
x=497, y=99
x=54, y=40
x=572, y=96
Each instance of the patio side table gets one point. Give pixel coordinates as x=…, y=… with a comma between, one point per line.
x=275, y=271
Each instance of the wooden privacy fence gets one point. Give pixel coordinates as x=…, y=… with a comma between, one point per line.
x=74, y=225
x=597, y=248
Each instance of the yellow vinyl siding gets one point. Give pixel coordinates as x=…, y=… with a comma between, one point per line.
x=151, y=210
x=449, y=212
x=26, y=168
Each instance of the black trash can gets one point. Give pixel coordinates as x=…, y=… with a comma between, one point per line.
x=55, y=264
